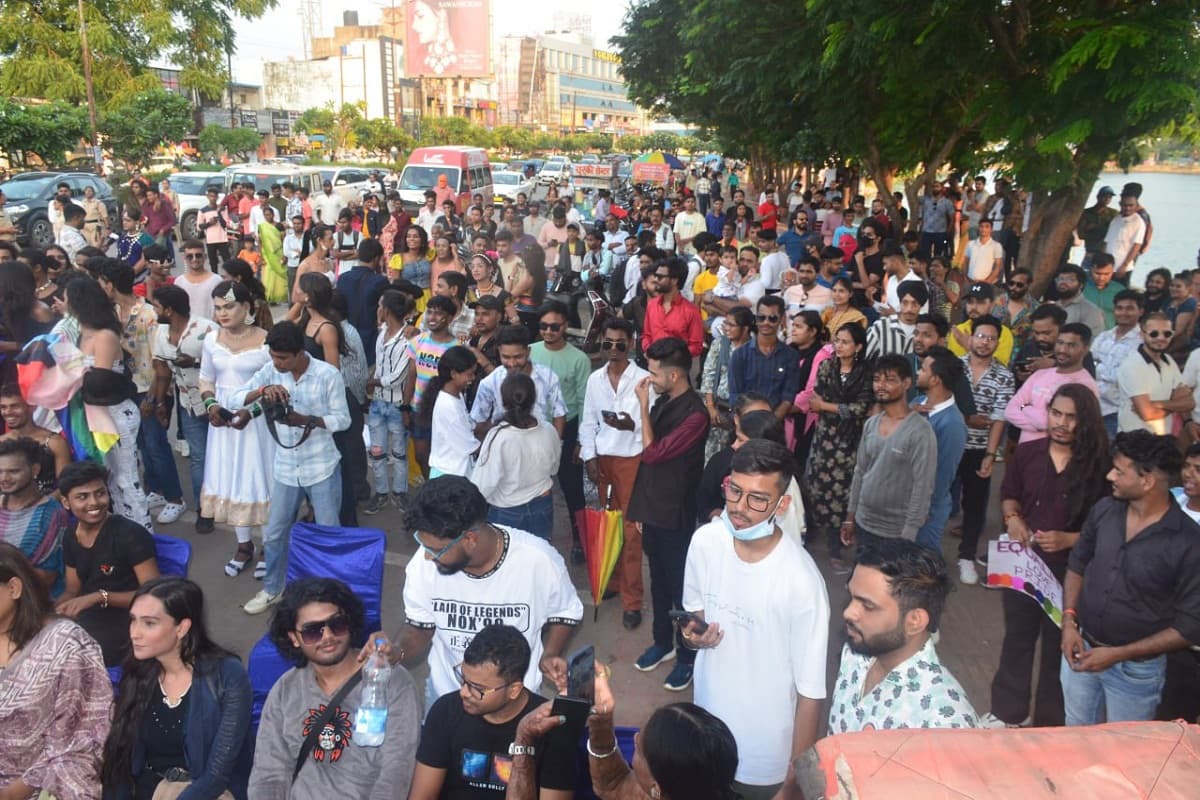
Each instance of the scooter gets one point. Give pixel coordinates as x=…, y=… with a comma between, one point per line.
x=586, y=306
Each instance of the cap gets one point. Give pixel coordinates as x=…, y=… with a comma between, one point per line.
x=489, y=302
x=1106, y=190
x=983, y=291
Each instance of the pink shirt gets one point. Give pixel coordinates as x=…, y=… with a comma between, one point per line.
x=1027, y=409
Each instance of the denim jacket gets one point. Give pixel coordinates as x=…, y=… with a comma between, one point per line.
x=217, y=741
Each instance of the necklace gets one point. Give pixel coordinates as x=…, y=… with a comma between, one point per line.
x=167, y=699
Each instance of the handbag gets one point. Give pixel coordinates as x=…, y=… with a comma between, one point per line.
x=314, y=732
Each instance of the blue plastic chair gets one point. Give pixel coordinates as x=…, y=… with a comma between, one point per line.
x=351, y=555
x=174, y=555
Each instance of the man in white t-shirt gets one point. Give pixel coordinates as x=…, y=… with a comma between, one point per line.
x=1125, y=235
x=750, y=583
x=468, y=574
x=688, y=223
x=985, y=256
x=1150, y=384
x=774, y=261
x=197, y=280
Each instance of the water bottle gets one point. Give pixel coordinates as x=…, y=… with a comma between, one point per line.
x=370, y=722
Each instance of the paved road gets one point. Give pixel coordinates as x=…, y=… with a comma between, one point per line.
x=969, y=645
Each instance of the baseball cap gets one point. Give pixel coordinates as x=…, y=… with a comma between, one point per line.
x=489, y=302
x=1106, y=190
x=983, y=291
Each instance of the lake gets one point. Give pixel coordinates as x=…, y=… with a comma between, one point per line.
x=1171, y=200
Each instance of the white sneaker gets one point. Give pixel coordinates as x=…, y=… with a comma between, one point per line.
x=967, y=573
x=990, y=720
x=170, y=512
x=154, y=500
x=261, y=602
x=181, y=447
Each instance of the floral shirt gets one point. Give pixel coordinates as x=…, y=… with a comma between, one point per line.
x=138, y=340
x=919, y=693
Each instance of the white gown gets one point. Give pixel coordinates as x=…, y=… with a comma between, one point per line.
x=237, y=464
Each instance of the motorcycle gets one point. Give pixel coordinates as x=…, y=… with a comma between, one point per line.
x=586, y=307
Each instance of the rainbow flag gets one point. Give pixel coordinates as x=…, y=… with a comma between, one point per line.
x=602, y=534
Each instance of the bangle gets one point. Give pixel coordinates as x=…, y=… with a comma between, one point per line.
x=209, y=402
x=1070, y=612
x=594, y=754
x=255, y=410
x=103, y=597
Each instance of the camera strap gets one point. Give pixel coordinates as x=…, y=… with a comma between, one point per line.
x=308, y=429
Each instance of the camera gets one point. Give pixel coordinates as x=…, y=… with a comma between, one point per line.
x=276, y=410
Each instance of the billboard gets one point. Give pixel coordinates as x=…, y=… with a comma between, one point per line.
x=448, y=38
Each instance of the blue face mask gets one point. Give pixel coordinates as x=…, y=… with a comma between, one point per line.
x=760, y=530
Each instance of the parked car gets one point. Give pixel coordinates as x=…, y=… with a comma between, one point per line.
x=190, y=187
x=27, y=202
x=589, y=158
x=557, y=169
x=263, y=176
x=348, y=182
x=508, y=184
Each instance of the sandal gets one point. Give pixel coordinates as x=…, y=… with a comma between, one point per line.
x=260, y=570
x=235, y=565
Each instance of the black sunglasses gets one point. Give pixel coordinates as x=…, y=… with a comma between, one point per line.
x=1159, y=334
x=767, y=317
x=609, y=344
x=550, y=326
x=313, y=632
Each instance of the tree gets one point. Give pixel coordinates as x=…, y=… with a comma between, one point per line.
x=381, y=135
x=216, y=140
x=47, y=130
x=315, y=120
x=135, y=128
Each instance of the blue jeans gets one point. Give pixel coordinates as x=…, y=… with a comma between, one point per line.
x=194, y=428
x=389, y=444
x=1128, y=691
x=1110, y=425
x=158, y=462
x=325, y=497
x=536, y=516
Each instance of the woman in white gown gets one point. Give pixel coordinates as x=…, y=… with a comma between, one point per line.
x=237, y=464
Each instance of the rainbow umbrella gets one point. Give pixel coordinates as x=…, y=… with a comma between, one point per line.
x=660, y=158
x=602, y=533
x=655, y=167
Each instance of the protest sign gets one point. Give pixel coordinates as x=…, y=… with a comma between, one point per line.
x=1012, y=565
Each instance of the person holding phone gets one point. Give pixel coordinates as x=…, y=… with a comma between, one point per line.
x=749, y=582
x=470, y=738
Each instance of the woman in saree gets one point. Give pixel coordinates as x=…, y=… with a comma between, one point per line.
x=270, y=245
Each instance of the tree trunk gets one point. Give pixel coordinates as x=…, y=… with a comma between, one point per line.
x=1051, y=223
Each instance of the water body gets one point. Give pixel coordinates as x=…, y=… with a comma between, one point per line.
x=1169, y=197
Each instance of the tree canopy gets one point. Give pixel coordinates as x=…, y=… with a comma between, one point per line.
x=216, y=140
x=47, y=130
x=135, y=128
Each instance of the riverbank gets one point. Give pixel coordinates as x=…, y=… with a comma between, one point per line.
x=1165, y=169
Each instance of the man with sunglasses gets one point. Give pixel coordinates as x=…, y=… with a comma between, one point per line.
x=1151, y=386
x=670, y=314
x=470, y=735
x=469, y=574
x=197, y=280
x=610, y=445
x=1015, y=305
x=767, y=365
x=315, y=626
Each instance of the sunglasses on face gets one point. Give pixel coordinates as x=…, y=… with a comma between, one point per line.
x=436, y=554
x=1016, y=285
x=767, y=317
x=550, y=326
x=609, y=344
x=193, y=256
x=1159, y=334
x=313, y=632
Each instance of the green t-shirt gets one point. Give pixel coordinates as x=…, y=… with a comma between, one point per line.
x=572, y=366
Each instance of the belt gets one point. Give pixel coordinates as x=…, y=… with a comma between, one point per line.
x=1094, y=642
x=91, y=220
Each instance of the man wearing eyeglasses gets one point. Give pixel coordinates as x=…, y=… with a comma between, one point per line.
x=610, y=444
x=197, y=280
x=315, y=625
x=470, y=736
x=670, y=314
x=1150, y=384
x=766, y=365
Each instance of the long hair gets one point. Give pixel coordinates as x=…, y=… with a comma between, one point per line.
x=181, y=599
x=33, y=607
x=690, y=753
x=518, y=393
x=1085, y=475
x=17, y=296
x=535, y=261
x=456, y=359
x=88, y=303
x=243, y=273
x=320, y=299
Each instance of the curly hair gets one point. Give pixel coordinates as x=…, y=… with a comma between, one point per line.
x=445, y=507
x=300, y=593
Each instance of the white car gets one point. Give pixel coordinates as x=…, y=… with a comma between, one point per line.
x=556, y=170
x=508, y=184
x=190, y=187
x=348, y=182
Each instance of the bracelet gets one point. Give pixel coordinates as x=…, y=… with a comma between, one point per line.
x=103, y=597
x=407, y=407
x=1070, y=612
x=255, y=411
x=594, y=754
x=209, y=403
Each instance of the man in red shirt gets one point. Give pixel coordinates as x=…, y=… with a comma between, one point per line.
x=768, y=210
x=670, y=314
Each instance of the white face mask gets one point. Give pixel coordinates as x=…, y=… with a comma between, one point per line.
x=759, y=530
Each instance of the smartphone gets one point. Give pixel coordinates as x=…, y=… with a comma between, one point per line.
x=581, y=674
x=609, y=415
x=699, y=626
x=225, y=414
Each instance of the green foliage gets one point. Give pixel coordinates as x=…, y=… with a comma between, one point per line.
x=380, y=136
x=41, y=54
x=48, y=130
x=315, y=120
x=216, y=140
x=133, y=129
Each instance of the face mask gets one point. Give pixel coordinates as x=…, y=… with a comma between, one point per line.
x=759, y=531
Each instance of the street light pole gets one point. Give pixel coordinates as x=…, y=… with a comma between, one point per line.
x=97, y=156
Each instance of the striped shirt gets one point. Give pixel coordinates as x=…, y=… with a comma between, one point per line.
x=991, y=395
x=889, y=335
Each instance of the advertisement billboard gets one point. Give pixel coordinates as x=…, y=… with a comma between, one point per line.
x=448, y=38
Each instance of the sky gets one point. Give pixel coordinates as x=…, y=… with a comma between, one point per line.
x=278, y=33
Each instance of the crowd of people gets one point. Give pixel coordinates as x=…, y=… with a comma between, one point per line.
x=794, y=382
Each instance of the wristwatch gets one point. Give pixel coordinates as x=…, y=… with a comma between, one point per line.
x=515, y=749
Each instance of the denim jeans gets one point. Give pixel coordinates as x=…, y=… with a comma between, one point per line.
x=1128, y=691
x=195, y=433
x=1110, y=425
x=536, y=516
x=325, y=497
x=389, y=446
x=158, y=462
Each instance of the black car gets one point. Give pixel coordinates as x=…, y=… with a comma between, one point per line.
x=27, y=201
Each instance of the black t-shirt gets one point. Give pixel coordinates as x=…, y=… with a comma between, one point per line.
x=108, y=563
x=474, y=752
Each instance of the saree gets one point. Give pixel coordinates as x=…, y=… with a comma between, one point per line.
x=274, y=276
x=55, y=699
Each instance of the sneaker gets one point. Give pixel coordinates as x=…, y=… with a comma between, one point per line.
x=261, y=602
x=170, y=512
x=653, y=656
x=967, y=574
x=181, y=447
x=990, y=720
x=400, y=500
x=375, y=504
x=154, y=500
x=679, y=679
x=631, y=620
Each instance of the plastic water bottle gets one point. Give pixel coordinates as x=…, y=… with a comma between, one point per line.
x=370, y=722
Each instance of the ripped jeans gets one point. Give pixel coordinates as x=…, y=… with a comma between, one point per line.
x=389, y=443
